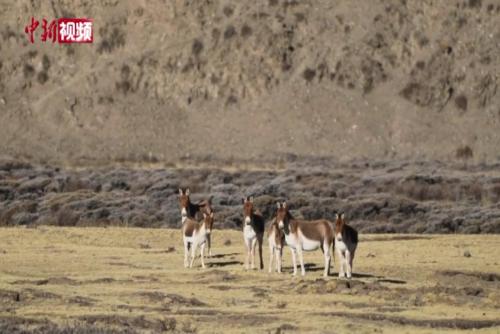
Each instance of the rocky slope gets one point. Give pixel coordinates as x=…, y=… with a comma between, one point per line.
x=253, y=80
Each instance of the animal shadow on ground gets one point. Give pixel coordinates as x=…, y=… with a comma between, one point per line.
x=312, y=267
x=224, y=263
x=379, y=279
x=221, y=256
x=389, y=280
x=307, y=266
x=363, y=275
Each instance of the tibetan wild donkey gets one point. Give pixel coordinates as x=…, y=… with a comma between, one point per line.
x=253, y=232
x=276, y=239
x=346, y=241
x=195, y=211
x=302, y=235
x=196, y=235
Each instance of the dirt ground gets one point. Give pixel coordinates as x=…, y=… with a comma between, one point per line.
x=131, y=280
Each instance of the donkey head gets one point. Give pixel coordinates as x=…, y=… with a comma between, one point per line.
x=208, y=220
x=282, y=216
x=184, y=202
x=247, y=209
x=339, y=226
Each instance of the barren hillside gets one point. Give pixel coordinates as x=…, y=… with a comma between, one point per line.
x=250, y=80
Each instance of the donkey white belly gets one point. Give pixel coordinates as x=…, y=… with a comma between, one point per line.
x=188, y=239
x=249, y=234
x=309, y=244
x=340, y=246
x=290, y=241
x=200, y=239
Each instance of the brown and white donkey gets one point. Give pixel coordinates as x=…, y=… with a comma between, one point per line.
x=253, y=232
x=195, y=212
x=276, y=239
x=303, y=235
x=346, y=242
x=196, y=235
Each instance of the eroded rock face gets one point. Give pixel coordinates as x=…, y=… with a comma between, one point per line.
x=176, y=79
x=380, y=197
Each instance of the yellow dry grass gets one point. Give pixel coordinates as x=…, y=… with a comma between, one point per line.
x=115, y=277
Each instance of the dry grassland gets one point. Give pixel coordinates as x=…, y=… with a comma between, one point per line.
x=88, y=280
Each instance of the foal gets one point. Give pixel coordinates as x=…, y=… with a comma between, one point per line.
x=276, y=239
x=194, y=211
x=302, y=235
x=196, y=235
x=253, y=232
x=346, y=241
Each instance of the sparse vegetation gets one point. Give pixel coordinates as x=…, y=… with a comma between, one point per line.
x=461, y=102
x=309, y=74
x=464, y=153
x=397, y=198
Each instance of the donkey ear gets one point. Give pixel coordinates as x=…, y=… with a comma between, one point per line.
x=204, y=215
x=278, y=204
x=211, y=214
x=251, y=199
x=284, y=205
x=342, y=216
x=187, y=191
x=180, y=191
x=243, y=200
x=336, y=216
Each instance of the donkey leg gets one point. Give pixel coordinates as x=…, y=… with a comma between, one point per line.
x=341, y=263
x=193, y=253
x=301, y=259
x=271, y=256
x=294, y=261
x=331, y=263
x=327, y=254
x=348, y=262
x=352, y=258
x=186, y=254
x=261, y=259
x=254, y=244
x=279, y=253
x=247, y=258
x=209, y=244
x=202, y=253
